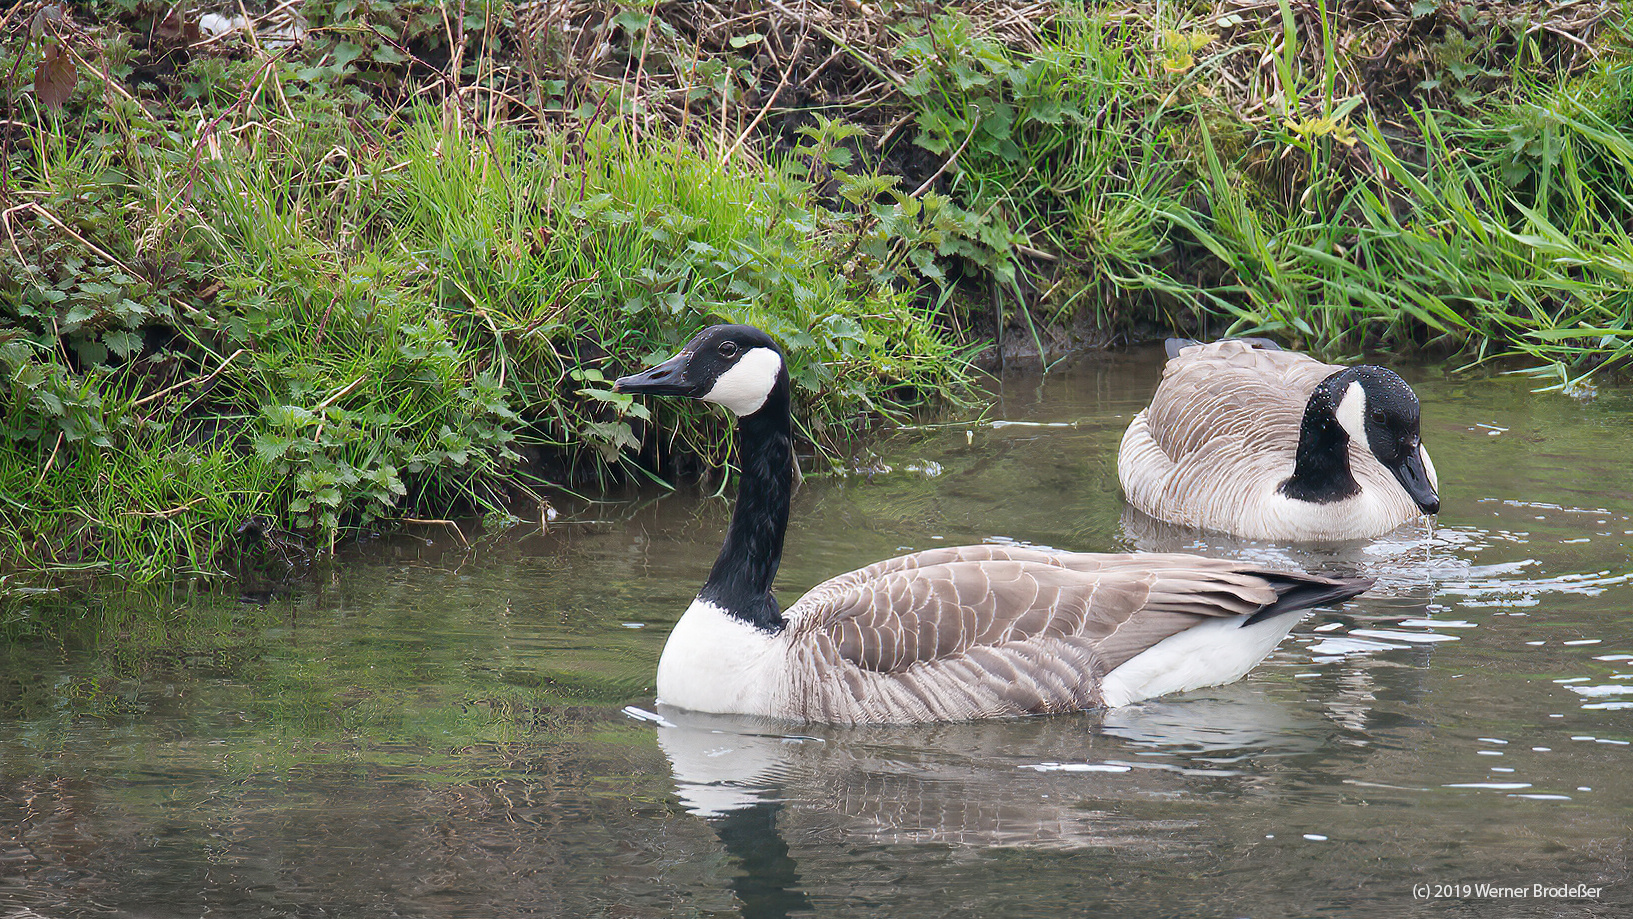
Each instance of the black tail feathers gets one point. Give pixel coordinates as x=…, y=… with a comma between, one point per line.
x=1297, y=592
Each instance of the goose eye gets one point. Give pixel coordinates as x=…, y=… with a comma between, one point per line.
x=728, y=349
x=1377, y=416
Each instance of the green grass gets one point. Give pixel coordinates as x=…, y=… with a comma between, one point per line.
x=1145, y=186
x=317, y=288
x=134, y=504
x=372, y=323
x=1062, y=150
x=1499, y=234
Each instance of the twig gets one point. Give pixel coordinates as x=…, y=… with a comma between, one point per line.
x=169, y=512
x=1549, y=27
x=5, y=148
x=5, y=218
x=635, y=103
x=339, y=395
x=457, y=64
x=816, y=71
x=6, y=19
x=686, y=91
x=201, y=379
x=5, y=221
x=948, y=162
x=107, y=79
x=447, y=523
x=317, y=435
x=781, y=85
x=725, y=101
x=317, y=337
x=53, y=458
x=487, y=57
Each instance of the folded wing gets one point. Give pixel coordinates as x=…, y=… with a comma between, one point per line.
x=980, y=631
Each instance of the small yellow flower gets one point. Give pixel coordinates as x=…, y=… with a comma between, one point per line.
x=1181, y=47
x=1324, y=126
x=1186, y=42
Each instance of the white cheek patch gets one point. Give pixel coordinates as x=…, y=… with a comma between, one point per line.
x=745, y=387
x=1352, y=411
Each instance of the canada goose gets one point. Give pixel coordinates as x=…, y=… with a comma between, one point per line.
x=1245, y=438
x=949, y=634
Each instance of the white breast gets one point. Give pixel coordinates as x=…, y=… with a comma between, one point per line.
x=1374, y=511
x=1222, y=489
x=715, y=662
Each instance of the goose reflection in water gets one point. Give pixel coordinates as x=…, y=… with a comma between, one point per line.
x=1093, y=780
x=1000, y=783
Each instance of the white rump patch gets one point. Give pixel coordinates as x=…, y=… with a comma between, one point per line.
x=1352, y=413
x=744, y=387
x=1207, y=654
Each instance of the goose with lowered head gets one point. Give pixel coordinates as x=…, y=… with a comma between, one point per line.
x=1244, y=438
x=948, y=634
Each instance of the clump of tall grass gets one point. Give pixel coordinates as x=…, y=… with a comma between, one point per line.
x=132, y=508
x=544, y=267
x=1249, y=171
x=1058, y=153
x=1502, y=233
x=342, y=328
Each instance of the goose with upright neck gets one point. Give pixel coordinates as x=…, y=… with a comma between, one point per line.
x=1244, y=438
x=949, y=634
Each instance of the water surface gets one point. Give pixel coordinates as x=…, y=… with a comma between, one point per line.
x=437, y=730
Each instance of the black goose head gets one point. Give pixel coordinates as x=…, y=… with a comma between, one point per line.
x=1375, y=406
x=737, y=366
x=741, y=368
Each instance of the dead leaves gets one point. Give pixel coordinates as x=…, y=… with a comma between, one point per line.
x=57, y=74
x=55, y=78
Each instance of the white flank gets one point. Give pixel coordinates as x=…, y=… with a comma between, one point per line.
x=744, y=387
x=1352, y=413
x=1213, y=652
x=715, y=662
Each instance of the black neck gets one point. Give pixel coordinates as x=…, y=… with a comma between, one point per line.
x=1321, y=471
x=740, y=582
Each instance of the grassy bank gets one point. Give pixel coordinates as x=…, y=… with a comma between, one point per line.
x=1450, y=179
x=265, y=288
x=315, y=316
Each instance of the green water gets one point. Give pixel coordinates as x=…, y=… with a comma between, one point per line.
x=441, y=731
